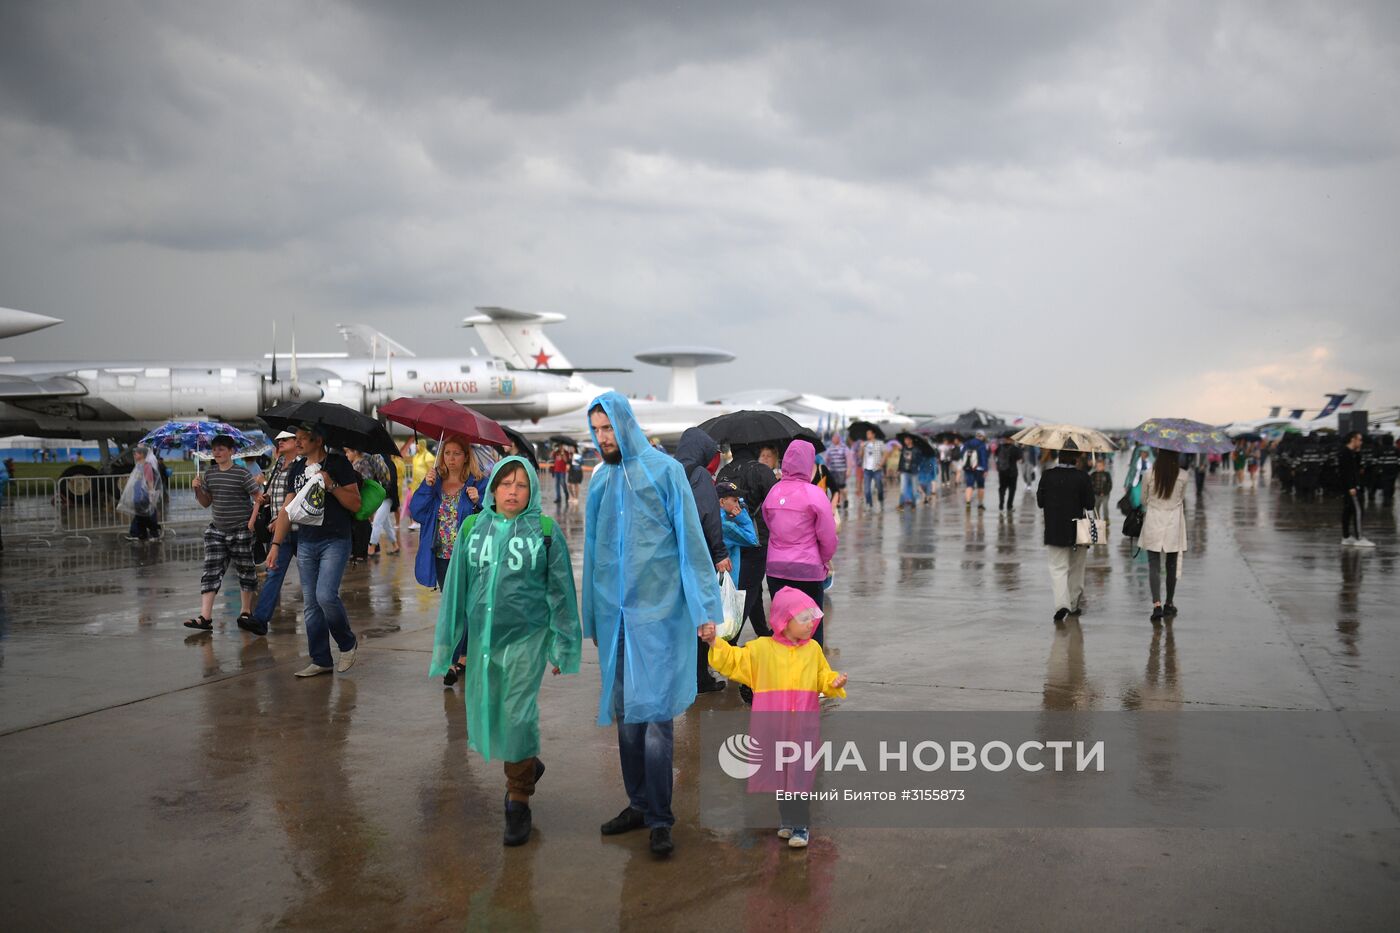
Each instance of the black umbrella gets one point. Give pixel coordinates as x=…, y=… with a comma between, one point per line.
x=340, y=426
x=563, y=441
x=858, y=429
x=811, y=438
x=921, y=443
x=527, y=450
x=754, y=427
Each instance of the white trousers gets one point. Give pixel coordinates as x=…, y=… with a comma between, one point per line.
x=1067, y=575
x=383, y=526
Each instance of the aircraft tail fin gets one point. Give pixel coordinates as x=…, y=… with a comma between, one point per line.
x=1334, y=402
x=1355, y=398
x=1296, y=414
x=518, y=337
x=363, y=340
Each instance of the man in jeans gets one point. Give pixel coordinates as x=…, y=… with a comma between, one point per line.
x=322, y=550
x=648, y=586
x=288, y=453
x=234, y=496
x=872, y=461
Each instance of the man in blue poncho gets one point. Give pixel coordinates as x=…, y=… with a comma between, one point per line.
x=648, y=585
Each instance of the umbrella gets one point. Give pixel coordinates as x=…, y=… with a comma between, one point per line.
x=1181, y=435
x=440, y=417
x=259, y=446
x=194, y=435
x=1064, y=437
x=811, y=437
x=754, y=427
x=858, y=430
x=563, y=441
x=921, y=443
x=339, y=425
x=527, y=450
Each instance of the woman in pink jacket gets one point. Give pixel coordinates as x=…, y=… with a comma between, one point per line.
x=801, y=529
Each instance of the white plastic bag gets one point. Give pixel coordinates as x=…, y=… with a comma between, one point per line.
x=732, y=599
x=308, y=507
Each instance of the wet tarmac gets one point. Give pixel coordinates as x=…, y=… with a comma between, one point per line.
x=156, y=779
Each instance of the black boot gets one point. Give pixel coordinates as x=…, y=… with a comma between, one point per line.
x=518, y=824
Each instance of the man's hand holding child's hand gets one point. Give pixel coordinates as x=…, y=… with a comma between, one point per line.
x=707, y=633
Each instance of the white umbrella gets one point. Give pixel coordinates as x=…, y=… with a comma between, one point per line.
x=1064, y=437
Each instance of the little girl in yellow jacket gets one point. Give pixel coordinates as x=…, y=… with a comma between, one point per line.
x=787, y=672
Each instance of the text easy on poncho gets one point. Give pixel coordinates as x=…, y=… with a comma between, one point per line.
x=646, y=567
x=515, y=595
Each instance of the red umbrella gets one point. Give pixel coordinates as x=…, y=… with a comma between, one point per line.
x=441, y=417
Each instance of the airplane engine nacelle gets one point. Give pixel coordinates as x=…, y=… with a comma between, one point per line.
x=158, y=393
x=561, y=403
x=344, y=392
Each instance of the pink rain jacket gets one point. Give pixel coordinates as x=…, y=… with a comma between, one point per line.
x=801, y=529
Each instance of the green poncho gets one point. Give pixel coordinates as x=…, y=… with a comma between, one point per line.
x=514, y=592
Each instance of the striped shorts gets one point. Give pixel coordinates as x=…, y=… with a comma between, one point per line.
x=220, y=547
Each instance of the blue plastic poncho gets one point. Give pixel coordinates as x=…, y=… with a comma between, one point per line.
x=647, y=574
x=514, y=592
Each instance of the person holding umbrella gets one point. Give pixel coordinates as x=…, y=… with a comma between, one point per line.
x=322, y=550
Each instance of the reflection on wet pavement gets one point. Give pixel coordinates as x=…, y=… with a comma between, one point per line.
x=155, y=778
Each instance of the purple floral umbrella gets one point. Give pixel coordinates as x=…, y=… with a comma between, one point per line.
x=1182, y=435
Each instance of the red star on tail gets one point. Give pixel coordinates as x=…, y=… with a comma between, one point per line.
x=542, y=359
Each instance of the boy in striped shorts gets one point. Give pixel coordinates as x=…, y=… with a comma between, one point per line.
x=235, y=496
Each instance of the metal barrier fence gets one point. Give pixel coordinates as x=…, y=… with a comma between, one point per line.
x=27, y=507
x=74, y=507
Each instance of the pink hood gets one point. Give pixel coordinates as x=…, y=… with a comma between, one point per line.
x=801, y=529
x=787, y=603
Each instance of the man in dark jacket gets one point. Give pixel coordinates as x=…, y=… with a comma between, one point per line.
x=1065, y=493
x=1008, y=459
x=1349, y=465
x=699, y=455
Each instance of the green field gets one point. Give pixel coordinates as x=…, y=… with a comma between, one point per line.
x=55, y=470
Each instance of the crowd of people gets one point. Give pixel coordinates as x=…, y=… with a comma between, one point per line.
x=662, y=535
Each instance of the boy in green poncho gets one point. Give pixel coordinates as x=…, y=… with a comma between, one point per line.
x=511, y=584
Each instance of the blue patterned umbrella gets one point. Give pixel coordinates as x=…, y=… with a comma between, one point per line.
x=1181, y=435
x=194, y=435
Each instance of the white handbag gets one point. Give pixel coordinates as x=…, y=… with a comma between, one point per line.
x=732, y=599
x=308, y=506
x=1090, y=529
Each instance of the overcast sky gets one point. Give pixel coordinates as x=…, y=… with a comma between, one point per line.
x=1092, y=212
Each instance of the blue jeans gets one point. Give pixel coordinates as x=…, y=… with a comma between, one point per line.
x=561, y=488
x=271, y=593
x=321, y=562
x=906, y=489
x=874, y=480
x=645, y=750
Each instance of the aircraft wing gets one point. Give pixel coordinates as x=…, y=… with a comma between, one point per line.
x=18, y=388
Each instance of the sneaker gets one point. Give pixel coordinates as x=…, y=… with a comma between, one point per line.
x=1060, y=615
x=311, y=670
x=626, y=821
x=1362, y=542
x=799, y=838
x=1348, y=542
x=130, y=538
x=661, y=843
x=1156, y=614
x=347, y=661
x=413, y=526
x=784, y=832
x=518, y=823
x=1169, y=611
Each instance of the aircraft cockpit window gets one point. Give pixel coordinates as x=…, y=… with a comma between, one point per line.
x=413, y=374
x=466, y=367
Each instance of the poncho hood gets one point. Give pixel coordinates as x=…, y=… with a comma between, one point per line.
x=787, y=603
x=799, y=461
x=696, y=449
x=631, y=439
x=533, y=509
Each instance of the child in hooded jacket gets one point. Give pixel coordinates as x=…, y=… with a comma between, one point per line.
x=788, y=673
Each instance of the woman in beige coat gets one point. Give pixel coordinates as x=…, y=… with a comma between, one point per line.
x=1164, y=528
